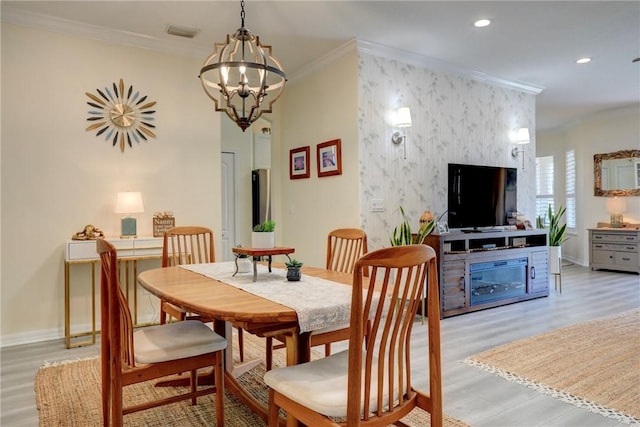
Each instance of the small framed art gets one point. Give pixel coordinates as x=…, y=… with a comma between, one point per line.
x=329, y=158
x=299, y=163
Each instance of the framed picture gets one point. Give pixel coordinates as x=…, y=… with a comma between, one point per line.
x=329, y=158
x=299, y=163
x=442, y=227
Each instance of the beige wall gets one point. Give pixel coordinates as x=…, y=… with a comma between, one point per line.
x=604, y=133
x=321, y=107
x=56, y=177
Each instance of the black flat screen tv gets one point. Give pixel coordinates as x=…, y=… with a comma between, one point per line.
x=481, y=197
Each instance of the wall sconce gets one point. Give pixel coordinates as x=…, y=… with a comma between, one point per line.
x=129, y=203
x=615, y=207
x=401, y=119
x=521, y=137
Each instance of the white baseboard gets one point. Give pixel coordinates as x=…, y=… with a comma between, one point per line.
x=33, y=337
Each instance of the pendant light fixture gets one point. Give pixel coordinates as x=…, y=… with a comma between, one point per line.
x=242, y=77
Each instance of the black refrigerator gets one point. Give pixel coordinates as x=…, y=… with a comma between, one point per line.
x=261, y=195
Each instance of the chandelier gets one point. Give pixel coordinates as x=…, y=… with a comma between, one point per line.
x=242, y=77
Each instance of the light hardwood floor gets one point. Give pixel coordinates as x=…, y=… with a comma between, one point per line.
x=478, y=398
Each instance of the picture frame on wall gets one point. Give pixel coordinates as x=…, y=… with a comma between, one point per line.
x=329, y=158
x=299, y=163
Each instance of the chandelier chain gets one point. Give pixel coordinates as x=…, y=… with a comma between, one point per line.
x=242, y=13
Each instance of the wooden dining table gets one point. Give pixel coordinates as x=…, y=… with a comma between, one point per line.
x=227, y=305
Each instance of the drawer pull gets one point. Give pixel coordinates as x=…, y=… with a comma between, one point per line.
x=533, y=272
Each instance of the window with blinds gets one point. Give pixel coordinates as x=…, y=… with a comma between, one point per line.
x=570, y=189
x=544, y=188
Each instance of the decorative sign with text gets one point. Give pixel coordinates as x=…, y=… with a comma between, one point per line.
x=162, y=221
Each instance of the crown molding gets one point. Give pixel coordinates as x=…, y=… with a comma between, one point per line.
x=126, y=38
x=97, y=32
x=438, y=65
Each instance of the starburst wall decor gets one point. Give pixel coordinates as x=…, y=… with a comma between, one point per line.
x=121, y=117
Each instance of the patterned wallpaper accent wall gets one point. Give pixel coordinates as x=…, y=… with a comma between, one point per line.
x=456, y=119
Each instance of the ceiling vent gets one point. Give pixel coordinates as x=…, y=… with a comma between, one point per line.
x=185, y=32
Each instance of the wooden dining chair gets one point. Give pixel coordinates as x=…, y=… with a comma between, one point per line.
x=344, y=247
x=189, y=245
x=130, y=357
x=370, y=383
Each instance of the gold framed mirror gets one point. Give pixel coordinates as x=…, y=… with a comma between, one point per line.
x=617, y=174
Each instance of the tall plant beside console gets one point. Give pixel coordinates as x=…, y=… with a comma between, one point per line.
x=402, y=235
x=557, y=232
x=263, y=235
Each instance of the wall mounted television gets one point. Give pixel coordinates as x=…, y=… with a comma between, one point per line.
x=481, y=197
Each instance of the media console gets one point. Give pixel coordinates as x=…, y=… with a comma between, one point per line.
x=490, y=269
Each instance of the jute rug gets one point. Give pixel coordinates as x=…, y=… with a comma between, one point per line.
x=68, y=394
x=593, y=365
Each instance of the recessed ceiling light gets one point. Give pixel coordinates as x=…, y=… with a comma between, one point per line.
x=480, y=23
x=583, y=60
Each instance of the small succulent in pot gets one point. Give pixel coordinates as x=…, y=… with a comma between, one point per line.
x=293, y=270
x=266, y=227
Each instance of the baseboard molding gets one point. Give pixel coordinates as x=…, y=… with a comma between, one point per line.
x=33, y=337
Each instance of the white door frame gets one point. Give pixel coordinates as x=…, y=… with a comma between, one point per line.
x=228, y=206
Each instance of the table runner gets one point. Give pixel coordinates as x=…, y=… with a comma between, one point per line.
x=319, y=303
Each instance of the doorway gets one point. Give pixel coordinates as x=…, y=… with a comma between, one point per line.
x=228, y=206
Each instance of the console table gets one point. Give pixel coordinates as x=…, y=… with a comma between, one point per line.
x=130, y=251
x=490, y=269
x=615, y=248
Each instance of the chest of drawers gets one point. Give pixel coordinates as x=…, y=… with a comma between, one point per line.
x=615, y=249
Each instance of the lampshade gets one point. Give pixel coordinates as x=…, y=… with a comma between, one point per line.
x=522, y=136
x=402, y=117
x=616, y=205
x=129, y=202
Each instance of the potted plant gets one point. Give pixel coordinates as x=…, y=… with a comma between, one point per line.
x=557, y=233
x=293, y=270
x=263, y=236
x=403, y=235
x=243, y=262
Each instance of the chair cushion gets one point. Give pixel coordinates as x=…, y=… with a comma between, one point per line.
x=176, y=340
x=320, y=385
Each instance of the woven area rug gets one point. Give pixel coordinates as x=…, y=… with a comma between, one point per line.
x=68, y=394
x=593, y=365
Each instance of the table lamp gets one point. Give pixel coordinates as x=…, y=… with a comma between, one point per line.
x=129, y=203
x=615, y=207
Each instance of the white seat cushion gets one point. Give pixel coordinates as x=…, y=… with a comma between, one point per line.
x=320, y=385
x=174, y=341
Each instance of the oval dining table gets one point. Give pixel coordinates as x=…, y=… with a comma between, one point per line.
x=227, y=304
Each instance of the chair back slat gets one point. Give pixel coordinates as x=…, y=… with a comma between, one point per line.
x=399, y=274
x=116, y=320
x=188, y=245
x=344, y=247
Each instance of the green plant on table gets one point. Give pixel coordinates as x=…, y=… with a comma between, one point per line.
x=293, y=263
x=266, y=227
